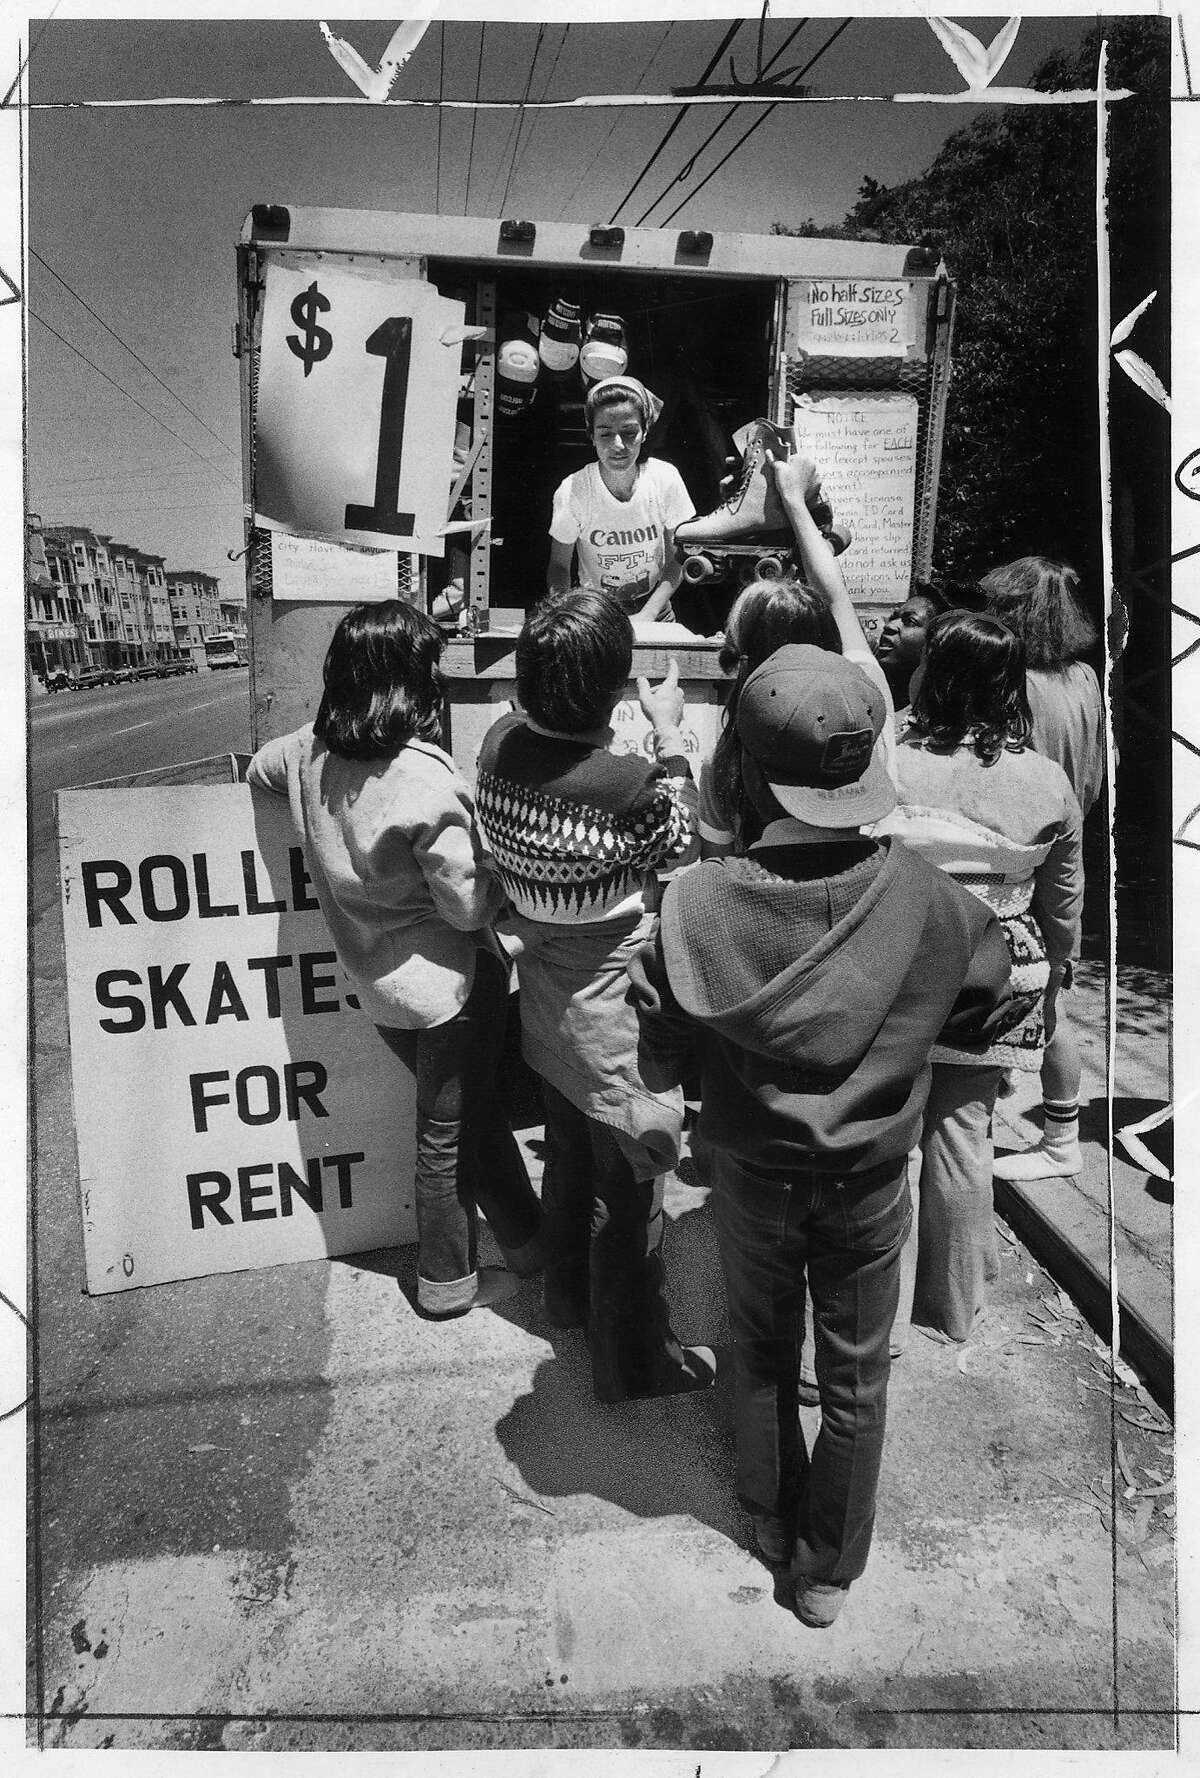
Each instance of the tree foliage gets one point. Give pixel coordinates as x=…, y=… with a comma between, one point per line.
x=1010, y=201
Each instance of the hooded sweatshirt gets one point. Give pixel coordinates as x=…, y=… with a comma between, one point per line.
x=811, y=1004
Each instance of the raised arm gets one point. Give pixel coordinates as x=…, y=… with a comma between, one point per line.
x=797, y=480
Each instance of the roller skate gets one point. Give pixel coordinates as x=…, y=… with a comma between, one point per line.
x=605, y=351
x=748, y=536
x=560, y=336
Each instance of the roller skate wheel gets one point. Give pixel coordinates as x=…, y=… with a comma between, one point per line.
x=769, y=568
x=698, y=568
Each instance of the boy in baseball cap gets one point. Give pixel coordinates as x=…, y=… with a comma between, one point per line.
x=807, y=982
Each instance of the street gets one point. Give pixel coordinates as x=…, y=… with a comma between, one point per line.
x=275, y=1511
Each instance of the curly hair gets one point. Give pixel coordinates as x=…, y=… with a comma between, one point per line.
x=574, y=656
x=766, y=615
x=1040, y=599
x=382, y=682
x=973, y=686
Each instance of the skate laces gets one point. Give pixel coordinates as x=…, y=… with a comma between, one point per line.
x=753, y=460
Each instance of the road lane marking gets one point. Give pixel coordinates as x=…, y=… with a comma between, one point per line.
x=111, y=733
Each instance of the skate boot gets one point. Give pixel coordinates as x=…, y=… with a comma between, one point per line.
x=605, y=352
x=748, y=534
x=517, y=369
x=558, y=346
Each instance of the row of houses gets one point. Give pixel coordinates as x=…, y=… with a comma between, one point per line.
x=91, y=601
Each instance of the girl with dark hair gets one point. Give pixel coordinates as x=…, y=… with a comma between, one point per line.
x=902, y=638
x=977, y=801
x=398, y=866
x=765, y=616
x=1040, y=599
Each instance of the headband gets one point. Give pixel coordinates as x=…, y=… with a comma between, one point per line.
x=634, y=391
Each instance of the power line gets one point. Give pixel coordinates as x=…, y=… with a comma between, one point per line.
x=121, y=390
x=521, y=117
x=686, y=171
x=756, y=125
x=671, y=128
x=546, y=88
x=613, y=126
x=33, y=254
x=474, y=118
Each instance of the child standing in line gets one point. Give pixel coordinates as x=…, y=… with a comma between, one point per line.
x=577, y=833
x=618, y=515
x=808, y=981
x=397, y=863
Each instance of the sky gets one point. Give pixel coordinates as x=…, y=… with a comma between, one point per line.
x=135, y=212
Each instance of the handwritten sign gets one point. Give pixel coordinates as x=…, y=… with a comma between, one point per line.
x=233, y=1108
x=700, y=726
x=355, y=418
x=852, y=317
x=309, y=568
x=866, y=450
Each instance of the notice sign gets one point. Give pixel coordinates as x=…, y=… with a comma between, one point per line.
x=233, y=1109
x=866, y=450
x=357, y=398
x=308, y=568
x=852, y=317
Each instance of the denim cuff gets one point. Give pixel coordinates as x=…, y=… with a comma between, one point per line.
x=438, y=1298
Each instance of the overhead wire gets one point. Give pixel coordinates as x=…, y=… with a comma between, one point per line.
x=136, y=356
x=686, y=170
x=618, y=119
x=474, y=118
x=756, y=125
x=546, y=87
x=521, y=117
x=441, y=113
x=121, y=390
x=672, y=127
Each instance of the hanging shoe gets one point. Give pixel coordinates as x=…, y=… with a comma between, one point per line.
x=819, y=1602
x=605, y=350
x=558, y=344
x=753, y=508
x=518, y=366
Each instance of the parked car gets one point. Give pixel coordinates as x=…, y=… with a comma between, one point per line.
x=58, y=679
x=93, y=676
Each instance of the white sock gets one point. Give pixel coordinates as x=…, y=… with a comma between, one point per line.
x=1056, y=1155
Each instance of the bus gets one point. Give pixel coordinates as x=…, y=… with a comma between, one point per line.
x=225, y=649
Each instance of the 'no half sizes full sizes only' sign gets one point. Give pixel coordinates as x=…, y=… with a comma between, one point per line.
x=233, y=1108
x=357, y=395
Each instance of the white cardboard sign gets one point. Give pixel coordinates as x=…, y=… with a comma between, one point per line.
x=232, y=1109
x=355, y=416
x=852, y=317
x=865, y=447
x=314, y=570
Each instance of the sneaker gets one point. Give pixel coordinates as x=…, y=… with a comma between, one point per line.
x=605, y=351
x=558, y=344
x=818, y=1602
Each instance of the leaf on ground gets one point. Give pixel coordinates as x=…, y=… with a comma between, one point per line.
x=1127, y=1375
x=1156, y=1475
x=1168, y=1509
x=1031, y=1340
x=1123, y=1466
x=1163, y=1488
x=1068, y=1308
x=1137, y=1529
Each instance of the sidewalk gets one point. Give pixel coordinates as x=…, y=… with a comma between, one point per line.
x=1066, y=1221
x=279, y=1512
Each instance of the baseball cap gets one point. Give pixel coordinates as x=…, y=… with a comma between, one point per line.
x=810, y=720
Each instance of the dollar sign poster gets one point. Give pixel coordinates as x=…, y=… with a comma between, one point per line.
x=354, y=425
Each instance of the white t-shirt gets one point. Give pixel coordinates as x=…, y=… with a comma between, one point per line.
x=621, y=544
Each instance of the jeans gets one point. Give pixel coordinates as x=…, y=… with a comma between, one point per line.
x=957, y=1257
x=467, y=1155
x=603, y=1233
x=844, y=1234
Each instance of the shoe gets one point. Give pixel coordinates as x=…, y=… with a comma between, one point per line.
x=605, y=351
x=753, y=508
x=518, y=366
x=527, y=1260
x=818, y=1602
x=558, y=343
x=1041, y=1162
x=478, y=1290
x=774, y=1544
x=698, y=1370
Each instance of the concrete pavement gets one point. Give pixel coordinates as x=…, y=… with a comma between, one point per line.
x=277, y=1511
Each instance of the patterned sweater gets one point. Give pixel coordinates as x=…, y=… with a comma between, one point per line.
x=575, y=830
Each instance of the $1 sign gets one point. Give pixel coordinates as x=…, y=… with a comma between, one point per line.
x=317, y=342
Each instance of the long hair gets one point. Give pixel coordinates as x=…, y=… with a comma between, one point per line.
x=1040, y=599
x=574, y=656
x=382, y=682
x=765, y=616
x=973, y=685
